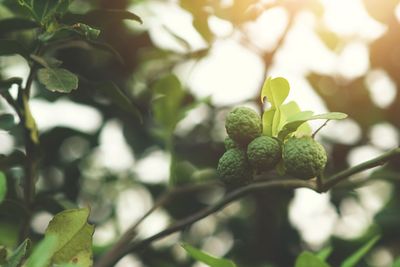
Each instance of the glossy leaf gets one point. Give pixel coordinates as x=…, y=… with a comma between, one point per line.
x=74, y=237
x=6, y=121
x=12, y=47
x=16, y=24
x=118, y=97
x=41, y=256
x=58, y=79
x=18, y=255
x=3, y=186
x=360, y=253
x=307, y=259
x=206, y=258
x=275, y=90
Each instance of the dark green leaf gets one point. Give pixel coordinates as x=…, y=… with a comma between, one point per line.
x=166, y=106
x=66, y=31
x=307, y=259
x=208, y=259
x=116, y=95
x=58, y=79
x=42, y=253
x=43, y=11
x=12, y=47
x=16, y=24
x=18, y=255
x=101, y=17
x=6, y=121
x=3, y=186
x=360, y=253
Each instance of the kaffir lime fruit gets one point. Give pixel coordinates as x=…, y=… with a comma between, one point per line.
x=243, y=125
x=264, y=153
x=233, y=167
x=304, y=157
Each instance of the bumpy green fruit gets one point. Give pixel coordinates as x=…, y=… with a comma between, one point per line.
x=233, y=167
x=264, y=153
x=229, y=143
x=304, y=157
x=243, y=125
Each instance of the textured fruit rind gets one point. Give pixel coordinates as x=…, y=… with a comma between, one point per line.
x=233, y=167
x=303, y=157
x=229, y=143
x=264, y=153
x=243, y=125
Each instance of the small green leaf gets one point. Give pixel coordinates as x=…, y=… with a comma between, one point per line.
x=117, y=96
x=307, y=259
x=360, y=253
x=6, y=121
x=276, y=90
x=330, y=116
x=74, y=237
x=3, y=186
x=41, y=256
x=206, y=258
x=16, y=24
x=18, y=255
x=58, y=79
x=325, y=253
x=267, y=120
x=12, y=47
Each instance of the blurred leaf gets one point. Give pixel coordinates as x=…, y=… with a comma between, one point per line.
x=166, y=107
x=48, y=62
x=275, y=90
x=43, y=11
x=30, y=122
x=325, y=253
x=118, y=97
x=15, y=158
x=182, y=172
x=16, y=24
x=3, y=256
x=58, y=79
x=396, y=263
x=12, y=47
x=3, y=186
x=18, y=255
x=100, y=17
x=206, y=258
x=360, y=253
x=42, y=253
x=73, y=237
x=6, y=121
x=67, y=31
x=6, y=84
x=307, y=259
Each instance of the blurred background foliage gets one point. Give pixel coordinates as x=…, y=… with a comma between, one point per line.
x=184, y=68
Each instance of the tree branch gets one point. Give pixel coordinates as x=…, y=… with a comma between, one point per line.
x=243, y=191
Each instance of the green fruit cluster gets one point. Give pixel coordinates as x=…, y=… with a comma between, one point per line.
x=248, y=151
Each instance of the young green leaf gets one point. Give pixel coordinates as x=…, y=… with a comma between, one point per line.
x=267, y=120
x=360, y=253
x=3, y=186
x=41, y=256
x=307, y=259
x=206, y=258
x=294, y=122
x=18, y=255
x=58, y=79
x=117, y=96
x=276, y=90
x=74, y=237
